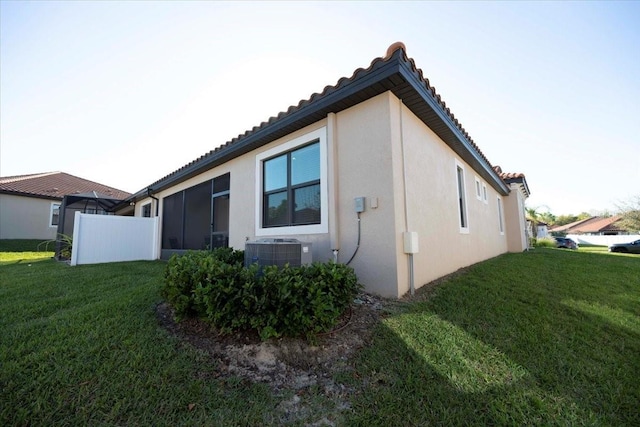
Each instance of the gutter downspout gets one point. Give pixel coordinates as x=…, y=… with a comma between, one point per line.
x=409, y=249
x=332, y=172
x=154, y=198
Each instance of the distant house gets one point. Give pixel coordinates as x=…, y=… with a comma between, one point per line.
x=594, y=226
x=30, y=204
x=375, y=169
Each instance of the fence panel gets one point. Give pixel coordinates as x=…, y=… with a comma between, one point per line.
x=583, y=239
x=107, y=238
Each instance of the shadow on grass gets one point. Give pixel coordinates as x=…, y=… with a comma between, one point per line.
x=537, y=344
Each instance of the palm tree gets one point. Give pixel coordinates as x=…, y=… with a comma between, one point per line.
x=534, y=217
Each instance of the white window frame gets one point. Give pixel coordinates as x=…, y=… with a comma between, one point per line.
x=319, y=135
x=53, y=205
x=500, y=216
x=478, y=189
x=464, y=215
x=485, y=193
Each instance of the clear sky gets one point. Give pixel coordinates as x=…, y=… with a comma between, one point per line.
x=124, y=93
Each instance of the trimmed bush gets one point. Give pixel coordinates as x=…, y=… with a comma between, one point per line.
x=300, y=301
x=546, y=242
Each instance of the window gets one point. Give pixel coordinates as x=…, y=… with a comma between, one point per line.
x=478, y=189
x=484, y=193
x=292, y=188
x=292, y=182
x=146, y=210
x=462, y=202
x=55, y=215
x=500, y=219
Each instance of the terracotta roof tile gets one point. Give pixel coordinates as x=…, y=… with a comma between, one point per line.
x=594, y=224
x=55, y=185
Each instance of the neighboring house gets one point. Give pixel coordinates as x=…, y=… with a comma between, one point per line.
x=593, y=226
x=30, y=204
x=433, y=203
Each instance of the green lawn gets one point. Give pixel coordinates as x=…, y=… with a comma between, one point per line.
x=25, y=250
x=549, y=337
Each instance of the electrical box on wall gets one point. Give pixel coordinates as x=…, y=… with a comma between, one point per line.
x=411, y=242
x=359, y=204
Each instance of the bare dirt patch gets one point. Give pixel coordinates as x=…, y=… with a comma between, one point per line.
x=286, y=363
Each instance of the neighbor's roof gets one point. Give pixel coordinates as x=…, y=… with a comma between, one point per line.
x=55, y=185
x=595, y=224
x=394, y=72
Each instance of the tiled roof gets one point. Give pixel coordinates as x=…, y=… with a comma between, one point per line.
x=394, y=72
x=594, y=224
x=509, y=177
x=563, y=228
x=55, y=185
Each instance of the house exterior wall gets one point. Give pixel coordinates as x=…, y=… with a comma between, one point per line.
x=365, y=169
x=381, y=151
x=432, y=204
x=515, y=220
x=26, y=217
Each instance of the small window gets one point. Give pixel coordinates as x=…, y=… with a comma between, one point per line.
x=146, y=210
x=500, y=218
x=484, y=193
x=462, y=202
x=55, y=215
x=478, y=189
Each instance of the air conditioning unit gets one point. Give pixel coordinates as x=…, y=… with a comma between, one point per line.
x=277, y=252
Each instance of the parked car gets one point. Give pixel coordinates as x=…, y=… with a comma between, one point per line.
x=632, y=248
x=565, y=243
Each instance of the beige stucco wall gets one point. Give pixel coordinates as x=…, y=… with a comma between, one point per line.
x=25, y=218
x=515, y=220
x=370, y=145
x=432, y=204
x=365, y=165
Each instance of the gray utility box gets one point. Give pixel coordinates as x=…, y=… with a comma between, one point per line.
x=277, y=252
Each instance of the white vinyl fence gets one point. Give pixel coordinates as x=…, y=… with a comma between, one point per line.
x=107, y=238
x=582, y=239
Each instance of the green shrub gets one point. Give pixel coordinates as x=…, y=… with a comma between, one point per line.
x=274, y=301
x=545, y=242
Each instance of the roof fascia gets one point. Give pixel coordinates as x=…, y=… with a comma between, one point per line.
x=31, y=195
x=272, y=131
x=468, y=152
x=325, y=103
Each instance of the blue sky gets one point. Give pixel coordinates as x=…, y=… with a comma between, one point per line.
x=124, y=93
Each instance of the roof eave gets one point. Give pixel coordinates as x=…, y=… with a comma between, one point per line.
x=31, y=195
x=452, y=135
x=393, y=74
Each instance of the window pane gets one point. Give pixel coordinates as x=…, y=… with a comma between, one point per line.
x=275, y=173
x=277, y=209
x=55, y=214
x=307, y=205
x=305, y=164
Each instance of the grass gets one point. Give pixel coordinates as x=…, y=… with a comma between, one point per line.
x=549, y=337
x=24, y=250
